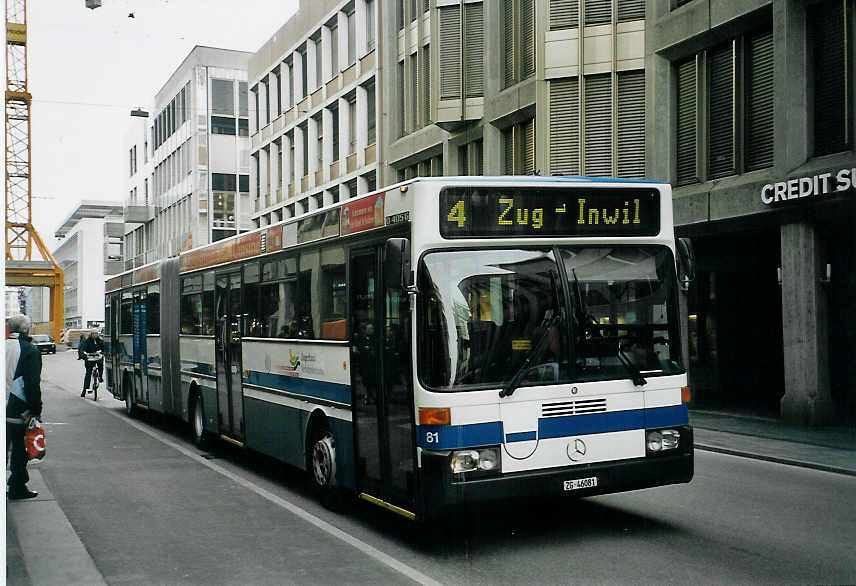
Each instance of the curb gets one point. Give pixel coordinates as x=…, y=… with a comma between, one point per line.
x=776, y=459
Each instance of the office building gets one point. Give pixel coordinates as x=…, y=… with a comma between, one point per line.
x=188, y=159
x=86, y=255
x=752, y=106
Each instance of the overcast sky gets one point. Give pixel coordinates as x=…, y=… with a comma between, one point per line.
x=89, y=68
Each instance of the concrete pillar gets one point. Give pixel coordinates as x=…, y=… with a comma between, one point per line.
x=805, y=327
x=791, y=107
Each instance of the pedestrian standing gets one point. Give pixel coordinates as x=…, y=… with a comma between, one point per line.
x=23, y=401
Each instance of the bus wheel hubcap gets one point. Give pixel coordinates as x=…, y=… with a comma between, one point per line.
x=323, y=461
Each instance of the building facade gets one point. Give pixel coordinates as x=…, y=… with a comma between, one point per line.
x=464, y=88
x=550, y=87
x=314, y=110
x=188, y=159
x=753, y=110
x=85, y=255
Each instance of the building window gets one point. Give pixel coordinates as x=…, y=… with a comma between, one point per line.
x=518, y=40
x=319, y=61
x=425, y=101
x=371, y=108
x=518, y=145
x=370, y=25
x=565, y=126
x=598, y=125
x=631, y=124
x=829, y=37
x=278, y=96
x=686, y=122
x=470, y=158
x=222, y=125
x=334, y=114
x=598, y=11
x=352, y=37
x=352, y=125
x=223, y=97
x=243, y=109
x=725, y=128
x=564, y=14
x=450, y=51
x=334, y=48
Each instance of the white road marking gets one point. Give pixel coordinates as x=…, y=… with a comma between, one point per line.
x=323, y=525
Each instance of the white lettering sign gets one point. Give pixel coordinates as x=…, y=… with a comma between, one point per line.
x=821, y=184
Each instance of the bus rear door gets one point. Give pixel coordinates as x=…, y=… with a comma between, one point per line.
x=230, y=396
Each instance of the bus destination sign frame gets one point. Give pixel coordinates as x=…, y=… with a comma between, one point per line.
x=548, y=212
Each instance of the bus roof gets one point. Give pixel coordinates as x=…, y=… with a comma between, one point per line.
x=519, y=178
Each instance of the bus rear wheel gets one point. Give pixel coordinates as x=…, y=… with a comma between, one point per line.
x=201, y=438
x=130, y=407
x=321, y=465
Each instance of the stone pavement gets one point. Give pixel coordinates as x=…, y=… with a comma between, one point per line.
x=42, y=547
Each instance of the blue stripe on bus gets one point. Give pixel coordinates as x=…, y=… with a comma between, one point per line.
x=521, y=436
x=302, y=386
x=200, y=367
x=447, y=437
x=666, y=416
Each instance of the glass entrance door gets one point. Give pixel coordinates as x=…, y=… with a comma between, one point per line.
x=230, y=397
x=382, y=385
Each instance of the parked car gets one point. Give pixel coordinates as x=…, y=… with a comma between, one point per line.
x=44, y=343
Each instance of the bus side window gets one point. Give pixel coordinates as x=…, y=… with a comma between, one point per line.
x=208, y=318
x=191, y=305
x=332, y=293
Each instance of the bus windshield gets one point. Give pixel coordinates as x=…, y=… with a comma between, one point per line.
x=490, y=316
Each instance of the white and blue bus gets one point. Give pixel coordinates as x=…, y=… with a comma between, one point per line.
x=444, y=341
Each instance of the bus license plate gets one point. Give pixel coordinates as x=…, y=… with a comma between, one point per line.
x=579, y=483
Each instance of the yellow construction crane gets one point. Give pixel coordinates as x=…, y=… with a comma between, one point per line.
x=24, y=265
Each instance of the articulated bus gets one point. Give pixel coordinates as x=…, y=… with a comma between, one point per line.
x=441, y=342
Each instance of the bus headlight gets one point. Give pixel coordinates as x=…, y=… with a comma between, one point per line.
x=661, y=440
x=480, y=459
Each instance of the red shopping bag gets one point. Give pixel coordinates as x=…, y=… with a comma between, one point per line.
x=34, y=440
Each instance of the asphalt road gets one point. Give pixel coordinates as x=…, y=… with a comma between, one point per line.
x=151, y=508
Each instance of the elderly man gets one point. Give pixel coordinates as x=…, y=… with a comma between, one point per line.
x=24, y=400
x=92, y=345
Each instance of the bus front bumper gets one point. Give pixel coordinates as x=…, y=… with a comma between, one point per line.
x=442, y=489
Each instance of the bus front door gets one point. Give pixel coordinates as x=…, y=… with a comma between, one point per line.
x=382, y=387
x=230, y=396
x=115, y=381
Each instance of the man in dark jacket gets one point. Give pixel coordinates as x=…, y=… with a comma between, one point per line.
x=24, y=402
x=93, y=344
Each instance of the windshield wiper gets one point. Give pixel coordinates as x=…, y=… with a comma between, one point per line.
x=538, y=350
x=635, y=373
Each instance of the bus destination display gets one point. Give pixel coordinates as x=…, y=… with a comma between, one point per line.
x=553, y=212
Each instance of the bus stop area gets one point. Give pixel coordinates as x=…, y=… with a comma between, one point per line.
x=43, y=548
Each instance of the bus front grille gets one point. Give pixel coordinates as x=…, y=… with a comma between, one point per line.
x=578, y=407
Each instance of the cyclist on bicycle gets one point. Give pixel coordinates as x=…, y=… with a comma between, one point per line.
x=93, y=344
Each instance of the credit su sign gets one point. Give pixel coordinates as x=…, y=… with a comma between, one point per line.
x=811, y=186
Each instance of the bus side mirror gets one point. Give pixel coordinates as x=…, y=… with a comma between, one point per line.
x=686, y=262
x=396, y=263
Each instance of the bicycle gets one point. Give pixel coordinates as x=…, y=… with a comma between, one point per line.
x=95, y=357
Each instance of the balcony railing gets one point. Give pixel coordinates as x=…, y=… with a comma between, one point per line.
x=351, y=162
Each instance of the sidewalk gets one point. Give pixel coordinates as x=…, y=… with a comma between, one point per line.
x=37, y=531
x=822, y=448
